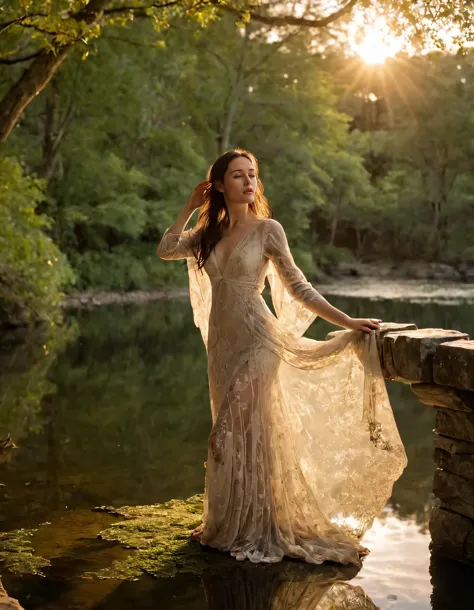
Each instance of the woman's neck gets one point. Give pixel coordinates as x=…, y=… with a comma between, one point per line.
x=239, y=213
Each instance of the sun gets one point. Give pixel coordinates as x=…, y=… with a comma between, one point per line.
x=374, y=43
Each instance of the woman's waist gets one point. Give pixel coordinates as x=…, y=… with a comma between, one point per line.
x=236, y=283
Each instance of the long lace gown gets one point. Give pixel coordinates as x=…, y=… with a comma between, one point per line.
x=307, y=449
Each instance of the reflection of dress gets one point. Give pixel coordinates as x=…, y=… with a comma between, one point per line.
x=264, y=589
x=307, y=447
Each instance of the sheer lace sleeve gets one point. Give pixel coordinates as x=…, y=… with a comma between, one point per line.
x=277, y=250
x=174, y=246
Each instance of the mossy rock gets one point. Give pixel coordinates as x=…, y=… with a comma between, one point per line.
x=159, y=535
x=16, y=553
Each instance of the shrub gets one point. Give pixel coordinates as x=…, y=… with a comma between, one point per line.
x=32, y=268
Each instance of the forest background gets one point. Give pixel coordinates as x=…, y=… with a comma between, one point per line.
x=360, y=162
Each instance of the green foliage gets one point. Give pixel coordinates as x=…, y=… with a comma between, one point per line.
x=417, y=116
x=125, y=267
x=130, y=155
x=328, y=256
x=52, y=25
x=434, y=151
x=32, y=269
x=123, y=138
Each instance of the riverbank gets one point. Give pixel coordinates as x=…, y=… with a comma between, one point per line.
x=406, y=270
x=94, y=298
x=415, y=291
x=417, y=282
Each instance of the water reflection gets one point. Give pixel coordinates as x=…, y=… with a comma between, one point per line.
x=112, y=421
x=284, y=588
x=453, y=584
x=396, y=572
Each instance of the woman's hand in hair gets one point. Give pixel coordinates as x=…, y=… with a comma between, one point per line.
x=199, y=195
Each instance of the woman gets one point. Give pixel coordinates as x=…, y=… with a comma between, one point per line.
x=303, y=450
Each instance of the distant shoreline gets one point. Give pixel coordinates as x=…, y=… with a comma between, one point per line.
x=413, y=290
x=95, y=298
x=414, y=281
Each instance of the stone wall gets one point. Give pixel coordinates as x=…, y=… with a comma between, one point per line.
x=438, y=365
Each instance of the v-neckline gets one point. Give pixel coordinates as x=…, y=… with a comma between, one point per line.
x=221, y=273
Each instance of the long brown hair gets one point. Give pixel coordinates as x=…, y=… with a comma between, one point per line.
x=213, y=214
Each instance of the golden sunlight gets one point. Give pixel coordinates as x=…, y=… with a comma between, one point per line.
x=374, y=43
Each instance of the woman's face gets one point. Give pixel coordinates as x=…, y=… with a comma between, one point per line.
x=240, y=181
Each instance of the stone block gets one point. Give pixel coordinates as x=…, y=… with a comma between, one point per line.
x=408, y=355
x=455, y=424
x=451, y=445
x=450, y=532
x=453, y=365
x=444, y=396
x=462, y=465
x=456, y=493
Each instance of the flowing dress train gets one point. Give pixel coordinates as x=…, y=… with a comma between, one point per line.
x=306, y=446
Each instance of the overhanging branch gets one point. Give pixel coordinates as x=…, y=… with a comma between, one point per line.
x=127, y=9
x=281, y=20
x=18, y=59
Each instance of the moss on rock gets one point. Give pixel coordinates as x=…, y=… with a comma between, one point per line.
x=160, y=538
x=159, y=534
x=16, y=553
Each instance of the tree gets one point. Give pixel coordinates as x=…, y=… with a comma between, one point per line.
x=32, y=269
x=431, y=143
x=43, y=33
x=144, y=120
x=413, y=117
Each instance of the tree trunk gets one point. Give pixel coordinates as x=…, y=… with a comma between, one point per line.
x=332, y=239
x=235, y=93
x=436, y=241
x=228, y=124
x=360, y=236
x=55, y=128
x=335, y=222
x=49, y=149
x=33, y=80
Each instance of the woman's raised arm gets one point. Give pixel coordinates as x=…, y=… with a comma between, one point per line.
x=175, y=242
